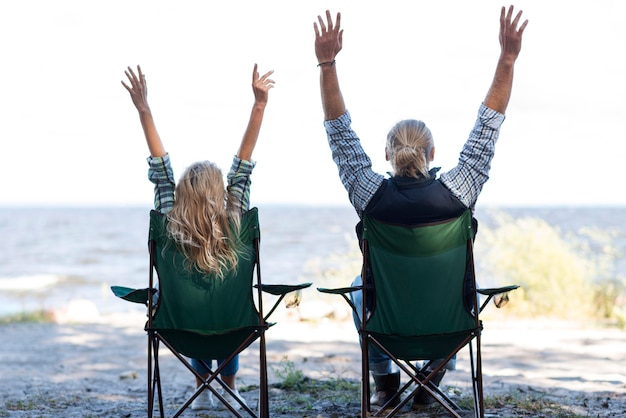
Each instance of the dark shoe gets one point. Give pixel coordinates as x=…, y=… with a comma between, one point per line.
x=422, y=397
x=386, y=387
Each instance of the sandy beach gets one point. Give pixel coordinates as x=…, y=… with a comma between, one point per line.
x=95, y=366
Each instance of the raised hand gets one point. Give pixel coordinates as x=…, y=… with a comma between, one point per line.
x=138, y=88
x=510, y=38
x=328, y=38
x=510, y=35
x=261, y=85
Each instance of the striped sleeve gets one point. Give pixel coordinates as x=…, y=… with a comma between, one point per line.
x=238, y=183
x=160, y=173
x=355, y=167
x=466, y=180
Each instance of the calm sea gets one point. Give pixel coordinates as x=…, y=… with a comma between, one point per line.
x=51, y=256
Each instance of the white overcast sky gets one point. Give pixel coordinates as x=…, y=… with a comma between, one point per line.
x=71, y=136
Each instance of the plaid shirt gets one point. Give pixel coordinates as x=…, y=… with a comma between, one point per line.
x=161, y=174
x=465, y=180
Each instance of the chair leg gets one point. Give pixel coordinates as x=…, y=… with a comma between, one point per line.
x=157, y=376
x=150, y=389
x=263, y=386
x=365, y=378
x=154, y=377
x=477, y=378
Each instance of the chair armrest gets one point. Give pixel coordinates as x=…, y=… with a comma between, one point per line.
x=340, y=290
x=282, y=289
x=496, y=290
x=493, y=293
x=133, y=295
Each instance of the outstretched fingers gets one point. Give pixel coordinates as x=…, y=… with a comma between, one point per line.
x=134, y=79
x=328, y=37
x=510, y=34
x=261, y=85
x=262, y=80
x=137, y=87
x=329, y=26
x=508, y=25
x=130, y=75
x=266, y=83
x=265, y=76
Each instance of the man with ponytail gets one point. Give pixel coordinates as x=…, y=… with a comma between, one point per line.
x=414, y=193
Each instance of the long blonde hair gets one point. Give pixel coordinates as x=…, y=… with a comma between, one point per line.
x=409, y=146
x=204, y=222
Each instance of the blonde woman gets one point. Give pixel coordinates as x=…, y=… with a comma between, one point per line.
x=200, y=210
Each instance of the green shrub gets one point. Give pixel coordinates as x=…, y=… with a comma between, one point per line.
x=290, y=377
x=39, y=316
x=559, y=274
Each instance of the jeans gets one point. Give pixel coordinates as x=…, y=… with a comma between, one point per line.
x=231, y=368
x=380, y=363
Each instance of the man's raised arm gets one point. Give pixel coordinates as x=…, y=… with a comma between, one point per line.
x=510, y=45
x=328, y=43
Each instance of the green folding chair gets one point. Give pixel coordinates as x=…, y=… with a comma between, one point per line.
x=425, y=304
x=203, y=317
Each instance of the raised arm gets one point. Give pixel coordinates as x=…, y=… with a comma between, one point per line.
x=510, y=46
x=261, y=87
x=138, y=90
x=328, y=43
